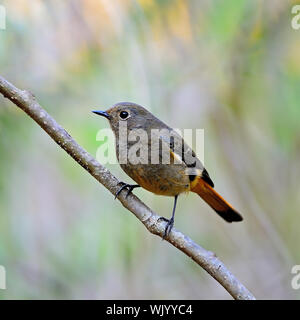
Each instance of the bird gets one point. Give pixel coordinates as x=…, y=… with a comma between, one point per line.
x=157, y=158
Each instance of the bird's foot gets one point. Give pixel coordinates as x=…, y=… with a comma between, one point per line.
x=169, y=226
x=125, y=186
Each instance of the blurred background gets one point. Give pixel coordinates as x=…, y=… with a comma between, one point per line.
x=229, y=67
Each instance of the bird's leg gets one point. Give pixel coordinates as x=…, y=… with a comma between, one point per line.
x=170, y=222
x=124, y=186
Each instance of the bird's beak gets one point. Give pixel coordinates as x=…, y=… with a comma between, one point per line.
x=102, y=113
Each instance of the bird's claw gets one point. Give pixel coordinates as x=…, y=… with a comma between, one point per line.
x=124, y=186
x=169, y=226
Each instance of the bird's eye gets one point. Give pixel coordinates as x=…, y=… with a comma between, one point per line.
x=124, y=115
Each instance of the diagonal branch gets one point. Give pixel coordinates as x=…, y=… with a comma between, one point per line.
x=205, y=259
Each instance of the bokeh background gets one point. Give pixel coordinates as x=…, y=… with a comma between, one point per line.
x=230, y=67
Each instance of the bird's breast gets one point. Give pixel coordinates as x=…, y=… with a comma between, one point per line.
x=168, y=179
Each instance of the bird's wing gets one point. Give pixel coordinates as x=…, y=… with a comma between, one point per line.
x=181, y=152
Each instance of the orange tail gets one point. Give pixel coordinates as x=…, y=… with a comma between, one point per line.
x=212, y=198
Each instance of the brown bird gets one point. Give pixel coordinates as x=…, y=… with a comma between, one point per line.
x=158, y=159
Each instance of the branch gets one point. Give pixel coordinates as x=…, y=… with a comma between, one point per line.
x=205, y=259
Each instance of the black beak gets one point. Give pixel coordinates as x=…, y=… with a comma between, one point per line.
x=102, y=113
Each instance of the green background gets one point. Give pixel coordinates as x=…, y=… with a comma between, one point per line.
x=229, y=67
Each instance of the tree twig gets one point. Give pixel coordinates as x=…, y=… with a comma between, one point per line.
x=205, y=259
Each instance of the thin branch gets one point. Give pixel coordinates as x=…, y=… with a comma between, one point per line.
x=205, y=259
